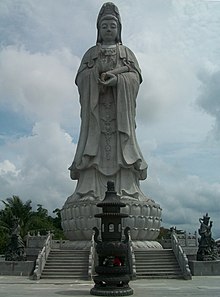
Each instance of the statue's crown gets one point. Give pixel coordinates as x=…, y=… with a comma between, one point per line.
x=108, y=9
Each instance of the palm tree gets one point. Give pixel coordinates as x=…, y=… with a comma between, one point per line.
x=28, y=219
x=4, y=230
x=14, y=207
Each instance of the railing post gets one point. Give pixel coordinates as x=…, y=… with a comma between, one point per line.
x=134, y=275
x=186, y=241
x=91, y=257
x=181, y=257
x=42, y=258
x=196, y=238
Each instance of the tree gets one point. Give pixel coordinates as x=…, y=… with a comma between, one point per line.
x=164, y=233
x=57, y=219
x=14, y=207
x=28, y=220
x=40, y=221
x=58, y=231
x=4, y=233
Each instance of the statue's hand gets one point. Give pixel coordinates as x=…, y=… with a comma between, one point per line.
x=108, y=79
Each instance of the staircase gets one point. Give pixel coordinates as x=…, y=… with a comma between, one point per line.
x=157, y=264
x=66, y=264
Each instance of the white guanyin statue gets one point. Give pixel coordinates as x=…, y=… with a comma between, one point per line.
x=108, y=81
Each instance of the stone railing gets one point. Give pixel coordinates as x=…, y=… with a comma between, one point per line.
x=181, y=257
x=186, y=240
x=42, y=258
x=92, y=258
x=133, y=261
x=35, y=239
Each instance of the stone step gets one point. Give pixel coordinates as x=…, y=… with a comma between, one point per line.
x=162, y=264
x=160, y=271
x=64, y=273
x=75, y=254
x=154, y=255
x=157, y=269
x=54, y=266
x=69, y=254
x=66, y=264
x=69, y=275
x=170, y=258
x=154, y=259
x=72, y=263
x=160, y=275
x=67, y=260
x=64, y=270
x=57, y=276
x=154, y=251
x=157, y=264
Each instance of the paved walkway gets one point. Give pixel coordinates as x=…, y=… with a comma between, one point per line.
x=14, y=286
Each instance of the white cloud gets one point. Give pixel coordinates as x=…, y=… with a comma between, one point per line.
x=209, y=98
x=184, y=198
x=168, y=86
x=41, y=86
x=42, y=161
x=8, y=168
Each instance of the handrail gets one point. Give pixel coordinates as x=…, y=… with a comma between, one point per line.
x=92, y=253
x=134, y=274
x=181, y=257
x=42, y=258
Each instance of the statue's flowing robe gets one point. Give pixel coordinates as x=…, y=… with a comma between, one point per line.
x=107, y=147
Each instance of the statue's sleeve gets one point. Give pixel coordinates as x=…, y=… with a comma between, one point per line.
x=129, y=57
x=88, y=61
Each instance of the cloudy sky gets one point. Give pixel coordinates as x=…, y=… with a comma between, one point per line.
x=177, y=44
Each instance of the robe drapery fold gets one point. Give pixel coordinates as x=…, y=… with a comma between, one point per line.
x=124, y=163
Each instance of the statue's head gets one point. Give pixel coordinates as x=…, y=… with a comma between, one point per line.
x=109, y=13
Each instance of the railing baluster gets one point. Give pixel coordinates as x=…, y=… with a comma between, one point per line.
x=42, y=258
x=181, y=256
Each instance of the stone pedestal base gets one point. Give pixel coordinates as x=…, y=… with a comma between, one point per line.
x=144, y=219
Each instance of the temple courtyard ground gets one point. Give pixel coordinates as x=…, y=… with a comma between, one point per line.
x=16, y=286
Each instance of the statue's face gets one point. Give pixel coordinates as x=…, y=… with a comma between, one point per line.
x=108, y=31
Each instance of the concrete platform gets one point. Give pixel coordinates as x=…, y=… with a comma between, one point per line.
x=16, y=286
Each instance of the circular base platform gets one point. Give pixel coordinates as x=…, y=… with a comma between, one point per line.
x=144, y=217
x=101, y=291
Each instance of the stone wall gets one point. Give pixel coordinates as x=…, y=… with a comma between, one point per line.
x=204, y=268
x=18, y=268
